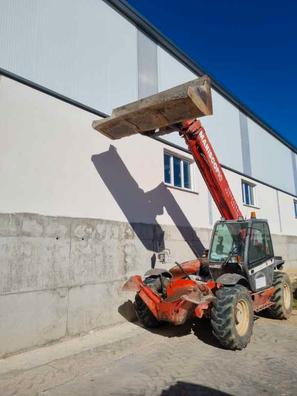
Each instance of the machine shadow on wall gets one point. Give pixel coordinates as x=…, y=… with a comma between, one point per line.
x=142, y=208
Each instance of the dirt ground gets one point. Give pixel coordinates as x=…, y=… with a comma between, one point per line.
x=180, y=361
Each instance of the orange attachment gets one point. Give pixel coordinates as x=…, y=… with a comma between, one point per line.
x=179, y=287
x=211, y=284
x=150, y=299
x=199, y=310
x=134, y=283
x=191, y=267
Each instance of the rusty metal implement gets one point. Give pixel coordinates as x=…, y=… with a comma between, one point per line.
x=159, y=111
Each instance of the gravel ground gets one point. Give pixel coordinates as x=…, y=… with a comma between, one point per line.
x=181, y=361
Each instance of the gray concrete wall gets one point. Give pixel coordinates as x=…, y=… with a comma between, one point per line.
x=286, y=246
x=63, y=276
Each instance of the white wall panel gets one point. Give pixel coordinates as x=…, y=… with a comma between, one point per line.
x=289, y=222
x=171, y=73
x=271, y=161
x=147, y=61
x=47, y=158
x=87, y=51
x=46, y=162
x=53, y=162
x=294, y=160
x=266, y=205
x=82, y=49
x=223, y=129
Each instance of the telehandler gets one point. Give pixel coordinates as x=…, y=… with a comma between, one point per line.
x=239, y=274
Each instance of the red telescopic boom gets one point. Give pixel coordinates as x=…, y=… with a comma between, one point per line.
x=177, y=108
x=210, y=168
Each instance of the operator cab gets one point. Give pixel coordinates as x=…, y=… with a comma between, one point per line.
x=243, y=247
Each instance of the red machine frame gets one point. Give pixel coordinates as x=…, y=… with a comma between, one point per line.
x=187, y=297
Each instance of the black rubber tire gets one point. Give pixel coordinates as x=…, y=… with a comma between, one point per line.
x=280, y=310
x=144, y=314
x=223, y=317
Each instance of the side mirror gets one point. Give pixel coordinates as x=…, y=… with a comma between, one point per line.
x=164, y=256
x=205, y=253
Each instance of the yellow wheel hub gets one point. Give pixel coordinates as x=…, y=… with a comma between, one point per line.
x=242, y=317
x=287, y=296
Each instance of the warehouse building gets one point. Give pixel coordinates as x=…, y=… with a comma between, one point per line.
x=79, y=212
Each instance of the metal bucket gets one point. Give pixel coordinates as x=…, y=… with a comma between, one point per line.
x=159, y=112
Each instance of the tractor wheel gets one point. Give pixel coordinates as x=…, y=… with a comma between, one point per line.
x=232, y=317
x=144, y=314
x=282, y=297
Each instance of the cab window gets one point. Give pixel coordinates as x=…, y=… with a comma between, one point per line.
x=229, y=238
x=260, y=248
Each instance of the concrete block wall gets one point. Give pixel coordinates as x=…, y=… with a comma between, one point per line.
x=286, y=246
x=63, y=276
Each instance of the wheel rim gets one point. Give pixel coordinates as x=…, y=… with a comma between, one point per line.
x=287, y=296
x=242, y=316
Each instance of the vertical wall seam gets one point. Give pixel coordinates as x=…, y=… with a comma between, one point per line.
x=147, y=66
x=138, y=63
x=157, y=72
x=279, y=212
x=245, y=144
x=294, y=165
x=68, y=288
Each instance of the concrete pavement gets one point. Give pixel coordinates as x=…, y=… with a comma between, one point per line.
x=186, y=360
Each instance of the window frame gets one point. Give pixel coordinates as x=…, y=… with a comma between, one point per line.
x=182, y=159
x=253, y=189
x=266, y=239
x=295, y=208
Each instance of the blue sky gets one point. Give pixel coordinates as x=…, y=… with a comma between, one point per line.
x=250, y=47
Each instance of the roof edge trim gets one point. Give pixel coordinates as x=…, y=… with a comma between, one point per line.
x=143, y=24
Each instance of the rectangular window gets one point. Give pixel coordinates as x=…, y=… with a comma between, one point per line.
x=167, y=169
x=187, y=174
x=260, y=248
x=248, y=193
x=295, y=208
x=177, y=171
x=177, y=177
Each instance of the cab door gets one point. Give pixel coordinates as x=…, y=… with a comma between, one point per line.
x=260, y=257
